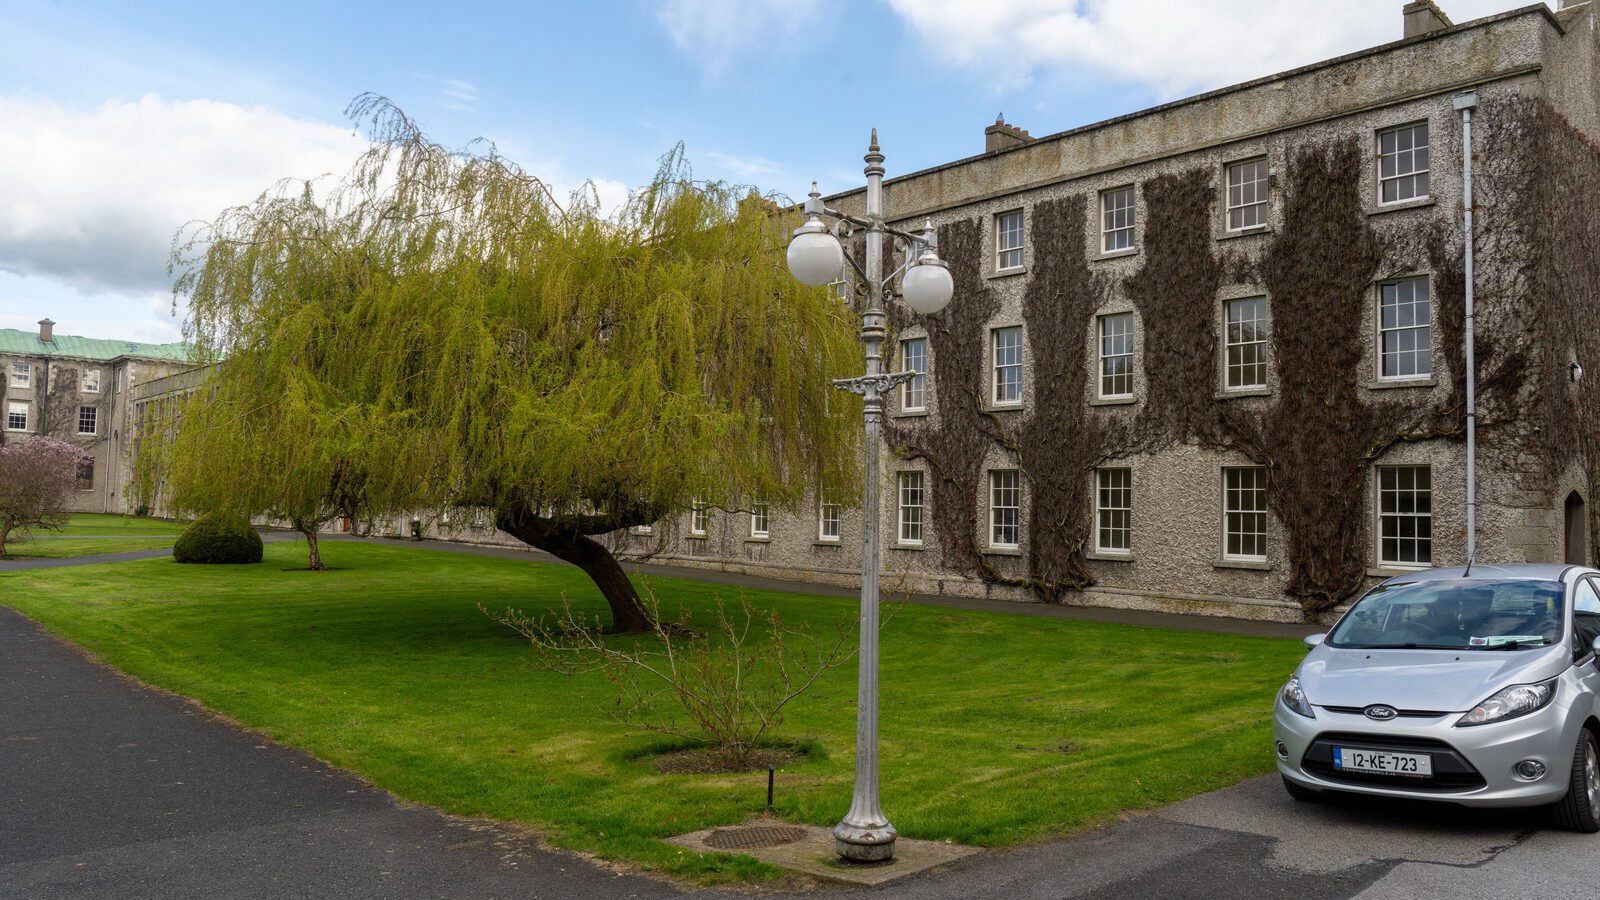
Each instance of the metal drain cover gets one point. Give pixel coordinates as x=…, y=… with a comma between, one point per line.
x=752, y=837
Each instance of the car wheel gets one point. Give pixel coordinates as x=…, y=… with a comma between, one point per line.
x=1300, y=792
x=1579, y=810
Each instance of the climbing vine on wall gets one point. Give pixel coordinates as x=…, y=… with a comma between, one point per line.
x=1543, y=171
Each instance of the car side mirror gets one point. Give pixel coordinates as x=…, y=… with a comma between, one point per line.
x=1315, y=640
x=1596, y=647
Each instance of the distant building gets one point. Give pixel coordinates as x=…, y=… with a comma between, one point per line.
x=79, y=389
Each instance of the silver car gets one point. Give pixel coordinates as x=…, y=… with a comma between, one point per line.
x=1473, y=687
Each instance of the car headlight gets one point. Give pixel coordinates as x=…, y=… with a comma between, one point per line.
x=1509, y=703
x=1295, y=699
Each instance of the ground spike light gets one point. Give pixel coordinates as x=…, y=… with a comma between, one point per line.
x=816, y=259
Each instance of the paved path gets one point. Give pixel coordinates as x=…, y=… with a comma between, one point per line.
x=111, y=790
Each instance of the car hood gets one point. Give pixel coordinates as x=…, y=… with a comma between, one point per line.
x=1441, y=680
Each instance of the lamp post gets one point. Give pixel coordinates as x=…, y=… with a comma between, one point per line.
x=816, y=258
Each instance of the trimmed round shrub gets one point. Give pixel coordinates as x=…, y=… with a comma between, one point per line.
x=218, y=537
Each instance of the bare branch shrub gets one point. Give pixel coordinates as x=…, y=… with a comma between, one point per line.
x=726, y=686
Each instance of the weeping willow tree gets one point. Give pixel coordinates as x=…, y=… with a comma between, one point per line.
x=436, y=330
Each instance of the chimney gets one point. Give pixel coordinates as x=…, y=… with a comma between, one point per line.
x=1424, y=16
x=47, y=334
x=1001, y=136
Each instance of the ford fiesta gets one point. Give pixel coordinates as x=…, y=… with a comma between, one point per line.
x=1474, y=687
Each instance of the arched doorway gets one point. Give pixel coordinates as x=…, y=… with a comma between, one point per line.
x=1577, y=537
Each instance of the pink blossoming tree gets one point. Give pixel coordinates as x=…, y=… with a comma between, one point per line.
x=36, y=478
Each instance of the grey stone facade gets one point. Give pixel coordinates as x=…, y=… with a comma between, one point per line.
x=79, y=390
x=1177, y=559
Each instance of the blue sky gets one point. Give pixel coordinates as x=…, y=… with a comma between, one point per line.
x=119, y=121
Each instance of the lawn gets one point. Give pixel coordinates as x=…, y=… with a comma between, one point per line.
x=87, y=534
x=996, y=728
x=60, y=548
x=100, y=525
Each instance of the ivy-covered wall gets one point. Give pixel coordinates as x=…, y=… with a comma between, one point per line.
x=1323, y=427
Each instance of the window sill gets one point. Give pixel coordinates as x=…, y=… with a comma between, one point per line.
x=758, y=540
x=1257, y=565
x=909, y=414
x=1115, y=254
x=1400, y=205
x=1108, y=557
x=1001, y=551
x=697, y=537
x=1113, y=401
x=906, y=547
x=1231, y=393
x=1252, y=231
x=1389, y=570
x=1382, y=384
x=826, y=542
x=1003, y=407
x=1007, y=273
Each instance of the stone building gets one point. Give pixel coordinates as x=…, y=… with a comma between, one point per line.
x=79, y=390
x=1209, y=356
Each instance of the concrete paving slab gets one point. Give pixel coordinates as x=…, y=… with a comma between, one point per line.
x=812, y=852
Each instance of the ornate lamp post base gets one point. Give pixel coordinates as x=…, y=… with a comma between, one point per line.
x=864, y=843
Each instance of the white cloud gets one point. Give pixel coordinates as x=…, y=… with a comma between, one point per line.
x=92, y=197
x=1174, y=46
x=719, y=33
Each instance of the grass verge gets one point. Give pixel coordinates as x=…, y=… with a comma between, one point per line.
x=996, y=729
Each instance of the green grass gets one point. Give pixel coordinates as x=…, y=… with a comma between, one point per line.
x=87, y=534
x=99, y=525
x=61, y=548
x=996, y=729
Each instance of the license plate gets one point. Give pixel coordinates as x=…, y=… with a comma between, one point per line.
x=1382, y=762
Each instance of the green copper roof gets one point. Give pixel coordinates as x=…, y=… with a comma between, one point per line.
x=28, y=343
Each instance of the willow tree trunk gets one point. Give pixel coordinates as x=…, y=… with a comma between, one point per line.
x=309, y=529
x=561, y=540
x=316, y=554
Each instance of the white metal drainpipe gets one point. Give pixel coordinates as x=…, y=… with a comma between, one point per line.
x=1466, y=102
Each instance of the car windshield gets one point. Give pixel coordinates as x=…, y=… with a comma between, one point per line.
x=1454, y=614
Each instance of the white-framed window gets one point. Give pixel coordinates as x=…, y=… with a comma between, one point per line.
x=1007, y=364
x=16, y=416
x=1244, y=513
x=1005, y=507
x=1113, y=510
x=911, y=500
x=1403, y=163
x=1246, y=342
x=21, y=375
x=699, y=518
x=758, y=519
x=1247, y=193
x=1405, y=329
x=827, y=521
x=1116, y=355
x=1405, y=515
x=1116, y=219
x=1008, y=240
x=88, y=420
x=914, y=393
x=91, y=381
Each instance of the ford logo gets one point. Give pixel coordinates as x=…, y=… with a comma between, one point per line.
x=1381, y=713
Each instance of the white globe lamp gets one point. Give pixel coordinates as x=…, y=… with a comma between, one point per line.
x=927, y=286
x=815, y=257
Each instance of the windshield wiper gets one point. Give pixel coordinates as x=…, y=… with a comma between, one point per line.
x=1514, y=645
x=1407, y=646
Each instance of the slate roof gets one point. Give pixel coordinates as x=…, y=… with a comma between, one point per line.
x=27, y=343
